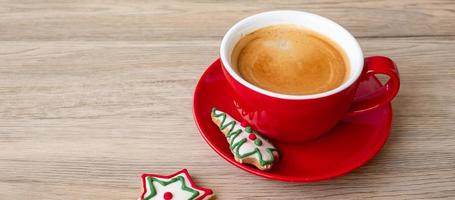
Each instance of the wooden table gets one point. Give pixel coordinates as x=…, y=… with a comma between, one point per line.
x=94, y=93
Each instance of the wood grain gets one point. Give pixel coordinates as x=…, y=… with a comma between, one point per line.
x=94, y=93
x=183, y=20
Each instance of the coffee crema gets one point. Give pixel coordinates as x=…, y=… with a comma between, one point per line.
x=290, y=59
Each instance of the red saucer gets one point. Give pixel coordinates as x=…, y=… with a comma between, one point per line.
x=349, y=145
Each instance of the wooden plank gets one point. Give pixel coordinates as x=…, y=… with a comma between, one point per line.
x=83, y=119
x=201, y=20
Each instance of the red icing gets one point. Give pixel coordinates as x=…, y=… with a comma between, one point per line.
x=252, y=136
x=243, y=124
x=167, y=196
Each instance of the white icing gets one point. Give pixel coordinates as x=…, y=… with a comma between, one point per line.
x=187, y=182
x=175, y=188
x=249, y=145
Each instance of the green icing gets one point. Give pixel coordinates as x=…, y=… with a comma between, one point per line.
x=256, y=150
x=258, y=142
x=232, y=135
x=223, y=126
x=153, y=191
x=237, y=145
x=248, y=129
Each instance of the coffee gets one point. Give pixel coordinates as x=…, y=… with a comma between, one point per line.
x=290, y=60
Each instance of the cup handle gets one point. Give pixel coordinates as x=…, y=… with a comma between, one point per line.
x=385, y=94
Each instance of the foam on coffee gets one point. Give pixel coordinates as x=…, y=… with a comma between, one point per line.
x=290, y=59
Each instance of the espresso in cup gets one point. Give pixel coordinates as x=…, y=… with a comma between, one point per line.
x=290, y=59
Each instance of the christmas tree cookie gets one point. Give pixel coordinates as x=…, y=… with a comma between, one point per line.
x=246, y=144
x=178, y=186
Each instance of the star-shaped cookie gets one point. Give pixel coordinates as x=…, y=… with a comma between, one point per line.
x=177, y=186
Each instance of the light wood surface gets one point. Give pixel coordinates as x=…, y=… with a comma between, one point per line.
x=94, y=93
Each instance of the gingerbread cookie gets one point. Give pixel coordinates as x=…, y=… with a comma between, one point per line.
x=246, y=144
x=178, y=186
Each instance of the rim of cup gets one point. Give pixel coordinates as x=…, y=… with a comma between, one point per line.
x=314, y=22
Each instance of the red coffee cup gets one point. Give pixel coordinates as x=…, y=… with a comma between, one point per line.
x=297, y=118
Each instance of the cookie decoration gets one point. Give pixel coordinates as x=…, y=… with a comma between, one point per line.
x=247, y=145
x=178, y=186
